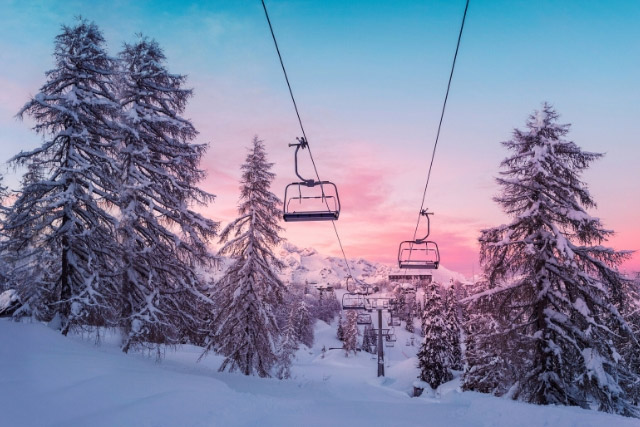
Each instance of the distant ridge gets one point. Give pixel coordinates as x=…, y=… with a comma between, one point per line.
x=306, y=264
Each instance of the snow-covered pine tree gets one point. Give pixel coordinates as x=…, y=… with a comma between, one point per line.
x=165, y=243
x=27, y=267
x=453, y=327
x=435, y=352
x=423, y=325
x=61, y=222
x=351, y=333
x=283, y=311
x=554, y=287
x=328, y=306
x=630, y=348
x=485, y=370
x=5, y=270
x=288, y=345
x=410, y=301
x=369, y=340
x=365, y=339
x=340, y=331
x=335, y=306
x=304, y=322
x=244, y=327
x=401, y=303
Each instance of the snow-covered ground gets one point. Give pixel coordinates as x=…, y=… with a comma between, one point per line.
x=50, y=380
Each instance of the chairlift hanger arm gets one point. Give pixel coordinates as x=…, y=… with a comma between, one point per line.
x=425, y=213
x=302, y=143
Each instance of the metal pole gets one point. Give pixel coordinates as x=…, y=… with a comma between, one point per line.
x=380, y=350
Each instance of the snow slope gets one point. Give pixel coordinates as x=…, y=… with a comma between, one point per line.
x=50, y=380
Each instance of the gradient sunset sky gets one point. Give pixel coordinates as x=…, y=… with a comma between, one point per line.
x=369, y=78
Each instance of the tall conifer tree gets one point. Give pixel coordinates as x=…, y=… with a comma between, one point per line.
x=351, y=332
x=553, y=289
x=288, y=345
x=165, y=242
x=453, y=327
x=304, y=322
x=61, y=223
x=435, y=352
x=244, y=328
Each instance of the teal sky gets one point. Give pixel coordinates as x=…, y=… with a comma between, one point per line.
x=369, y=78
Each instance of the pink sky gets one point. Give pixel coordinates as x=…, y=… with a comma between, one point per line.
x=380, y=182
x=380, y=193
x=370, y=97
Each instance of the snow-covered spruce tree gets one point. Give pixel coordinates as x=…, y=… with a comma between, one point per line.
x=409, y=325
x=288, y=345
x=631, y=349
x=27, y=267
x=485, y=368
x=453, y=327
x=61, y=222
x=365, y=339
x=369, y=339
x=351, y=333
x=304, y=322
x=340, y=330
x=165, y=243
x=327, y=307
x=553, y=287
x=435, y=352
x=401, y=303
x=244, y=327
x=5, y=269
x=422, y=319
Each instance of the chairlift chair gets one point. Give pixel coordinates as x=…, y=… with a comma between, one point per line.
x=324, y=288
x=363, y=319
x=355, y=286
x=419, y=253
x=314, y=200
x=353, y=302
x=390, y=340
x=378, y=303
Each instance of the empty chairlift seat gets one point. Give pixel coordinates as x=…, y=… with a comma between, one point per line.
x=419, y=253
x=310, y=200
x=353, y=302
x=389, y=343
x=364, y=319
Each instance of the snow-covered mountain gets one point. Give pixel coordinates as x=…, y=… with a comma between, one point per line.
x=306, y=264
